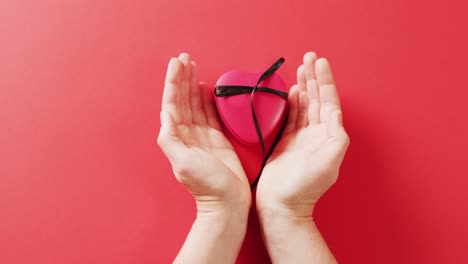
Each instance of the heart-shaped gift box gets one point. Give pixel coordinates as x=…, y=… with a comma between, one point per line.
x=253, y=106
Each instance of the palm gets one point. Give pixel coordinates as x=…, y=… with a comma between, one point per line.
x=292, y=156
x=211, y=154
x=314, y=137
x=306, y=161
x=201, y=156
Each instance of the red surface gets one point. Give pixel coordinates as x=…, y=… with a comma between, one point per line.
x=81, y=178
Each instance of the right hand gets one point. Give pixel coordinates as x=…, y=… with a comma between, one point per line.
x=307, y=159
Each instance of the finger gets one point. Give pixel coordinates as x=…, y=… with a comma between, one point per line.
x=209, y=107
x=309, y=65
x=313, y=94
x=301, y=79
x=302, y=115
x=314, y=103
x=168, y=140
x=171, y=101
x=187, y=113
x=198, y=116
x=293, y=99
x=303, y=102
x=338, y=138
x=329, y=98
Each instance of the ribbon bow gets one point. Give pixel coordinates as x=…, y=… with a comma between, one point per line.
x=232, y=90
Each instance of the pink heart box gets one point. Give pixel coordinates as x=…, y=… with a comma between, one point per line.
x=235, y=110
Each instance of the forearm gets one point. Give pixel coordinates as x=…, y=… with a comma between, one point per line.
x=214, y=238
x=293, y=239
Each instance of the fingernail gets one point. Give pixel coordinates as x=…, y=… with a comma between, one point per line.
x=310, y=56
x=184, y=55
x=173, y=60
x=323, y=61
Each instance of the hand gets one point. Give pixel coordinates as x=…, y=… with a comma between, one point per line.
x=202, y=158
x=306, y=161
x=204, y=161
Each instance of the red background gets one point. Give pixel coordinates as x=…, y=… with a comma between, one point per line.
x=81, y=178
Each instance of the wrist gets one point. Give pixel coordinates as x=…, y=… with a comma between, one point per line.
x=300, y=210
x=234, y=220
x=228, y=223
x=222, y=213
x=293, y=238
x=217, y=233
x=229, y=214
x=210, y=206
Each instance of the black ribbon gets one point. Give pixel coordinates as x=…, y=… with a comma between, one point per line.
x=231, y=90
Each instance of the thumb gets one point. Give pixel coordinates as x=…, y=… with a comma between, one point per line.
x=168, y=140
x=339, y=139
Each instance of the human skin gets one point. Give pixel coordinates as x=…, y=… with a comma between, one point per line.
x=204, y=161
x=302, y=168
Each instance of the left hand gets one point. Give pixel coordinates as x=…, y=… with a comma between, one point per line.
x=204, y=161
x=202, y=158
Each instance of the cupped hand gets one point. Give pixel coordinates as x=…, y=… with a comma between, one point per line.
x=307, y=159
x=191, y=137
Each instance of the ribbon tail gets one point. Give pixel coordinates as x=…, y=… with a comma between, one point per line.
x=270, y=151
